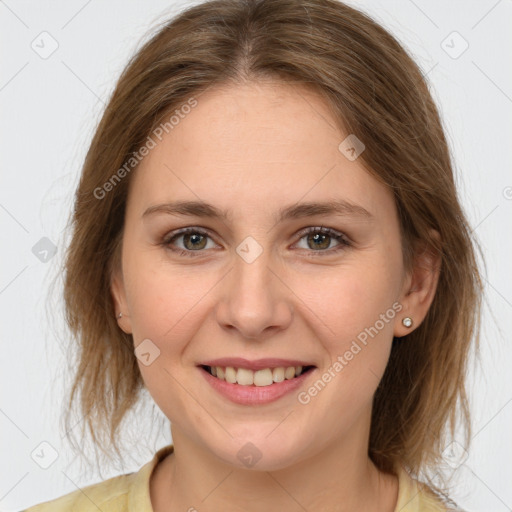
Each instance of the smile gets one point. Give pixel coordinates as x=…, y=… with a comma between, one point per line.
x=255, y=387
x=260, y=378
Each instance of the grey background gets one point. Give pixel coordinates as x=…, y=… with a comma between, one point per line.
x=50, y=105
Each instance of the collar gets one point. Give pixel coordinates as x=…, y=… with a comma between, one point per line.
x=139, y=499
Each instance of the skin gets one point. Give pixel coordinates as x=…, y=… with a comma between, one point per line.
x=254, y=149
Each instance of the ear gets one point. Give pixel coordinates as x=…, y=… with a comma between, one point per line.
x=117, y=290
x=419, y=286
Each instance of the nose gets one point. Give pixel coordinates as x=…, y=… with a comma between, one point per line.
x=255, y=300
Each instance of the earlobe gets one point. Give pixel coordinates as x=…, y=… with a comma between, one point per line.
x=117, y=291
x=420, y=287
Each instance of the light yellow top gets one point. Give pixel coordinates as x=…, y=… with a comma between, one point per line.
x=130, y=493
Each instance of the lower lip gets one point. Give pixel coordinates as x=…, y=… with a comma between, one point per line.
x=254, y=395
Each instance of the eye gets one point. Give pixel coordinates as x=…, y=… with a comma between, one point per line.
x=320, y=238
x=195, y=240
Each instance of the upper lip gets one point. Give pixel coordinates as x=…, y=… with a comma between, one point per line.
x=257, y=364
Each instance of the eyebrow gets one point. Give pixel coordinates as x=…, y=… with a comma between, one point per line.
x=338, y=207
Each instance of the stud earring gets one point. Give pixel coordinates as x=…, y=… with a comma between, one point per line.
x=407, y=321
x=120, y=315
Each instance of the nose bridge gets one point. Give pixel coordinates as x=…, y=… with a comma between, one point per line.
x=252, y=273
x=254, y=299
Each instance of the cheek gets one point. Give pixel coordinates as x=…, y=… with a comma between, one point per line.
x=349, y=299
x=165, y=307
x=166, y=301
x=354, y=308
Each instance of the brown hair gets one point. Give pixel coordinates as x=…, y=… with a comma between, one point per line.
x=375, y=91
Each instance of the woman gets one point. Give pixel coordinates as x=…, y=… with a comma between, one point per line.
x=267, y=237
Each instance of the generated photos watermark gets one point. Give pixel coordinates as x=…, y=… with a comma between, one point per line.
x=304, y=397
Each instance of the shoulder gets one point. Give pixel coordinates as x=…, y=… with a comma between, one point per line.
x=109, y=495
x=124, y=493
x=414, y=496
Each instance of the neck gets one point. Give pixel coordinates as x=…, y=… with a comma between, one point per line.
x=340, y=478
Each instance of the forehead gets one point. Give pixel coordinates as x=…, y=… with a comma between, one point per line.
x=255, y=145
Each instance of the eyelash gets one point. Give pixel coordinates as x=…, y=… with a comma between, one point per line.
x=342, y=239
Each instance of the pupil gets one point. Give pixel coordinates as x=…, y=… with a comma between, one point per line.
x=316, y=238
x=193, y=239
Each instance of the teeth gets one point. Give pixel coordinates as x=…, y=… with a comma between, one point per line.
x=289, y=372
x=278, y=374
x=245, y=377
x=264, y=377
x=230, y=375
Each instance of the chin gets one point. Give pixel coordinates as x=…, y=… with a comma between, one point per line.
x=260, y=452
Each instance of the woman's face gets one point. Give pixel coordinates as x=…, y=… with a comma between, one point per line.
x=255, y=284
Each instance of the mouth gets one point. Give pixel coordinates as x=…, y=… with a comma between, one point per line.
x=256, y=378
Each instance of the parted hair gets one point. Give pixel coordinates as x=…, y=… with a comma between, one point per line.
x=375, y=91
